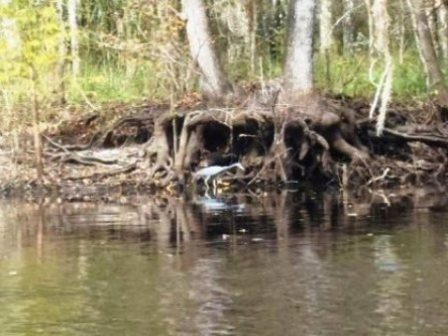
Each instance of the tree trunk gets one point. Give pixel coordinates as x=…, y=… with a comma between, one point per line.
x=38, y=152
x=401, y=32
x=381, y=46
x=72, y=9
x=326, y=36
x=442, y=30
x=298, y=70
x=427, y=51
x=252, y=13
x=429, y=7
x=325, y=24
x=381, y=23
x=368, y=4
x=213, y=82
x=348, y=34
x=60, y=67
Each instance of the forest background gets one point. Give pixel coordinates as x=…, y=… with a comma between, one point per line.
x=92, y=52
x=61, y=58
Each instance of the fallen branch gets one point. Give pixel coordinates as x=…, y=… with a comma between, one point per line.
x=97, y=175
x=76, y=158
x=433, y=140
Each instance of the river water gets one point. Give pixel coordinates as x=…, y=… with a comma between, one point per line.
x=276, y=264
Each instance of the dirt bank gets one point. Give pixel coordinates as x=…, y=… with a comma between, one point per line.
x=154, y=148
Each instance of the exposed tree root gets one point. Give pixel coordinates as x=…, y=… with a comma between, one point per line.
x=98, y=175
x=307, y=142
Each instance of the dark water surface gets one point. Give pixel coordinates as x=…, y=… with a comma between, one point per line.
x=281, y=264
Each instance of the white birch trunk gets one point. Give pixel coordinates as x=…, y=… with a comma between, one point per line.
x=72, y=9
x=325, y=24
x=298, y=71
x=201, y=47
x=442, y=20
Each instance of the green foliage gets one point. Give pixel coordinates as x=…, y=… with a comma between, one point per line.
x=133, y=50
x=129, y=50
x=102, y=83
x=410, y=78
x=36, y=30
x=350, y=76
x=29, y=52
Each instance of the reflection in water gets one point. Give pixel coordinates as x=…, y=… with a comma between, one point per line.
x=284, y=264
x=390, y=285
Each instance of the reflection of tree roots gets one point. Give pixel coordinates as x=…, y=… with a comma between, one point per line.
x=175, y=222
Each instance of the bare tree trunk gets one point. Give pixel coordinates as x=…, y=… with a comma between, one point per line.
x=430, y=14
x=381, y=47
x=36, y=130
x=442, y=20
x=213, y=82
x=325, y=24
x=427, y=51
x=72, y=9
x=60, y=67
x=348, y=33
x=298, y=70
x=252, y=9
x=370, y=24
x=401, y=32
x=326, y=35
x=381, y=23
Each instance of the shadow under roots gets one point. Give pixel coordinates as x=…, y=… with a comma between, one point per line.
x=223, y=145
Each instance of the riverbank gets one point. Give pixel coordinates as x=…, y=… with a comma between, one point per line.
x=92, y=155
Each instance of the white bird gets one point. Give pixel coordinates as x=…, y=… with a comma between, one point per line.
x=211, y=172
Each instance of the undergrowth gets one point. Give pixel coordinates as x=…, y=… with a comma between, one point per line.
x=104, y=82
x=349, y=76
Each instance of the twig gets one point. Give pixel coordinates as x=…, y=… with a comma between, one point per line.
x=378, y=178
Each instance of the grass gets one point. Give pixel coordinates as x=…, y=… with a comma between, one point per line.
x=350, y=76
x=112, y=83
x=104, y=82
